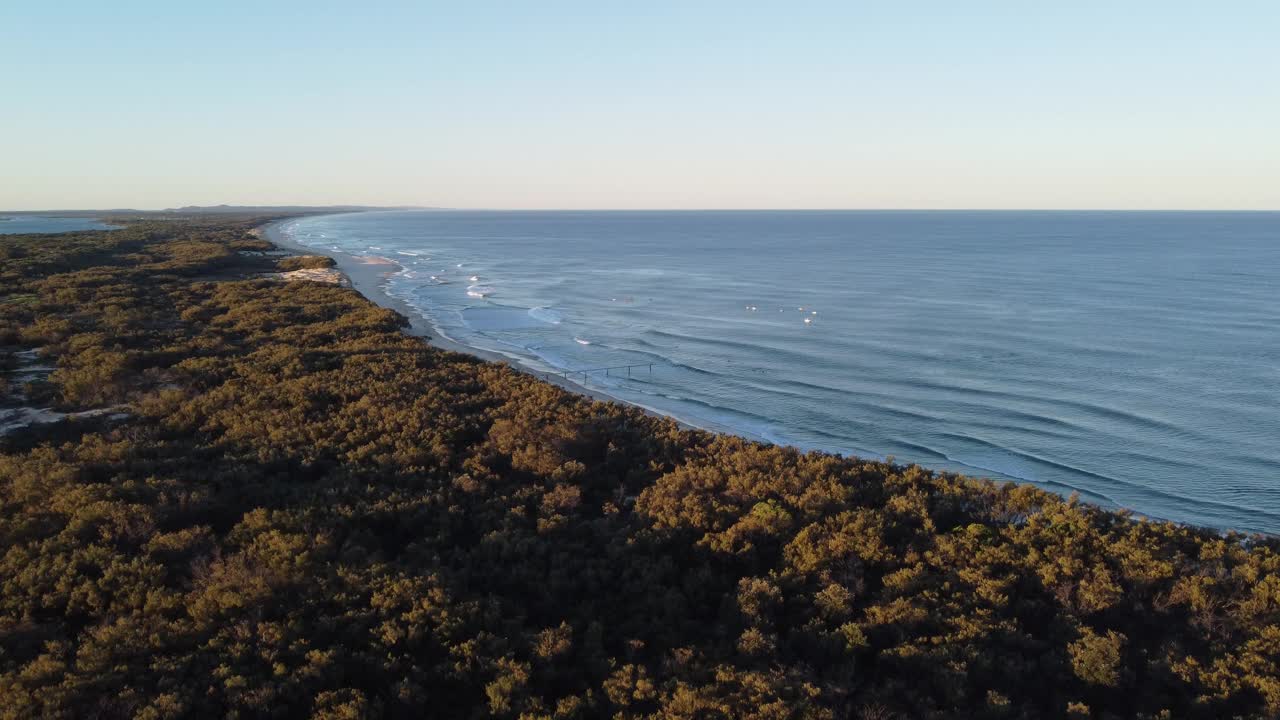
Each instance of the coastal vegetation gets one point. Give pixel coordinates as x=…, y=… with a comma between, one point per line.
x=295, y=509
x=304, y=262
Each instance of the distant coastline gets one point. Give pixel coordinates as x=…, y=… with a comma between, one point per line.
x=52, y=223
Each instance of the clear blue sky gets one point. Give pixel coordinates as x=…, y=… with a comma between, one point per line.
x=602, y=104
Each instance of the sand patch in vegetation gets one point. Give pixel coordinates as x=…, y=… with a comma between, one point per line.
x=327, y=276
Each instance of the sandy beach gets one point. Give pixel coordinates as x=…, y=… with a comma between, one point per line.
x=367, y=275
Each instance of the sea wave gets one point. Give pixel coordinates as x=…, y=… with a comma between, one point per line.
x=546, y=315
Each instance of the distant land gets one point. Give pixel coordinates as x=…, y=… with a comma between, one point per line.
x=216, y=210
x=267, y=209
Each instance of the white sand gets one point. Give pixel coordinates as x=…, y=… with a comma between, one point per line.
x=321, y=275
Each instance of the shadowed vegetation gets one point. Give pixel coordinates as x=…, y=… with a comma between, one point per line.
x=305, y=262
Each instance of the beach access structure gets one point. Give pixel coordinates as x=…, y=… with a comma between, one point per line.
x=568, y=374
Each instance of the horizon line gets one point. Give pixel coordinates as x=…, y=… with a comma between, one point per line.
x=424, y=208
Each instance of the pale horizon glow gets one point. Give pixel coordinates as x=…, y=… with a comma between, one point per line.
x=588, y=105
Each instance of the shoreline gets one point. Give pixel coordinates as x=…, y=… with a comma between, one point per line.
x=369, y=279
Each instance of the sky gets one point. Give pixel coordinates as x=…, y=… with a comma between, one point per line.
x=605, y=104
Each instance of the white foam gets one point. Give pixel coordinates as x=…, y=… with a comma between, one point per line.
x=580, y=341
x=546, y=315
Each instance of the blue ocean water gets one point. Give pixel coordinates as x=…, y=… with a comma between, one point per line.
x=22, y=224
x=1133, y=357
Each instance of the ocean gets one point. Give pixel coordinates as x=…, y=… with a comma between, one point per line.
x=23, y=224
x=1130, y=357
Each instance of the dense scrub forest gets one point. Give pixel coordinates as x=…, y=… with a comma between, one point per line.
x=289, y=508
